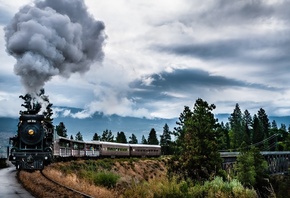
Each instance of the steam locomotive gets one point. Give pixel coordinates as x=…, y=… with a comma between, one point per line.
x=37, y=145
x=32, y=146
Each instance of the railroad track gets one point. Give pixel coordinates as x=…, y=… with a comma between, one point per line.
x=77, y=193
x=40, y=185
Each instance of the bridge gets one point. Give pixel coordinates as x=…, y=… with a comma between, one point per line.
x=278, y=161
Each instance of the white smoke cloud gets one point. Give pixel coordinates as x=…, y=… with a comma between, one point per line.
x=53, y=37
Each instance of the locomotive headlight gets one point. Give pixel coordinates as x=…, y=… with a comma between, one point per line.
x=30, y=132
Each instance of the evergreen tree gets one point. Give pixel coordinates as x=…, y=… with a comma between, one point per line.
x=236, y=124
x=287, y=140
x=107, y=136
x=273, y=131
x=165, y=141
x=263, y=117
x=245, y=168
x=281, y=137
x=79, y=136
x=133, y=139
x=144, y=141
x=96, y=137
x=274, y=125
x=121, y=137
x=247, y=123
x=152, y=138
x=71, y=137
x=258, y=135
x=224, y=138
x=61, y=130
x=251, y=169
x=265, y=124
x=179, y=131
x=197, y=156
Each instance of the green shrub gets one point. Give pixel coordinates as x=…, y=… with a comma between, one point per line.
x=174, y=189
x=106, y=164
x=106, y=179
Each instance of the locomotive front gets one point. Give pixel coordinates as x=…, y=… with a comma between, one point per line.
x=32, y=146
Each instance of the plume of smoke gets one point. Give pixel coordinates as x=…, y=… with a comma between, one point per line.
x=53, y=37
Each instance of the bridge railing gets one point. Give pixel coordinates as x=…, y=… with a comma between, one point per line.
x=278, y=161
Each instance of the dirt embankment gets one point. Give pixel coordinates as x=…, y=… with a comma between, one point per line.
x=129, y=172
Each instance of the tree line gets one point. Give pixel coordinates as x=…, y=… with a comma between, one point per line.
x=108, y=136
x=241, y=130
x=199, y=138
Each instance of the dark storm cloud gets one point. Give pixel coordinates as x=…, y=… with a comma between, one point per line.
x=213, y=50
x=236, y=49
x=228, y=12
x=246, y=43
x=186, y=80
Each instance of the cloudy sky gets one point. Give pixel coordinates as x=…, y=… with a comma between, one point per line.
x=161, y=55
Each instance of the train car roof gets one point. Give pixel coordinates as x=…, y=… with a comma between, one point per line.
x=145, y=145
x=77, y=141
x=114, y=143
x=111, y=143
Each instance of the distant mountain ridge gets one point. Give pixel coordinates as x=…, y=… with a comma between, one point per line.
x=99, y=122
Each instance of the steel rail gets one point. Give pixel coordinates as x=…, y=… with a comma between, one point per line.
x=66, y=187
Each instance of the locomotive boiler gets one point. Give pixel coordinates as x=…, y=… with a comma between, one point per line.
x=32, y=145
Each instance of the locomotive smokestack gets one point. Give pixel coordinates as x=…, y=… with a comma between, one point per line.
x=53, y=37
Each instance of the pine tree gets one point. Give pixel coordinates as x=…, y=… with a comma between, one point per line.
x=61, y=130
x=247, y=123
x=179, y=131
x=281, y=138
x=121, y=137
x=133, y=139
x=224, y=138
x=273, y=131
x=71, y=137
x=251, y=169
x=144, y=141
x=236, y=124
x=165, y=141
x=107, y=136
x=265, y=124
x=152, y=138
x=79, y=136
x=258, y=135
x=198, y=157
x=245, y=168
x=96, y=137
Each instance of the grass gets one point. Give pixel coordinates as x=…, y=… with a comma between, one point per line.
x=140, y=178
x=172, y=189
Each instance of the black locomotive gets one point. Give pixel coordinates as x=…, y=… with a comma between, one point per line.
x=32, y=146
